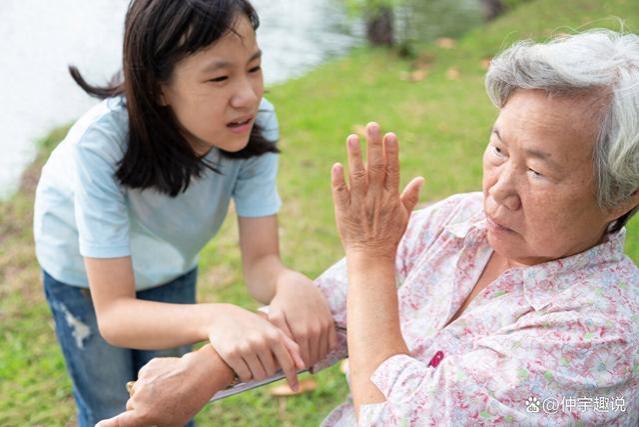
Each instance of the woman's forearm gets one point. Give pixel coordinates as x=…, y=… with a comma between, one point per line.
x=216, y=375
x=373, y=325
x=134, y=323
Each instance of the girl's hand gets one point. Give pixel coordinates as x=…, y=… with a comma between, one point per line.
x=371, y=214
x=301, y=311
x=252, y=346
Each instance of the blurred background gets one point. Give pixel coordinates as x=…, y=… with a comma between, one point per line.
x=331, y=66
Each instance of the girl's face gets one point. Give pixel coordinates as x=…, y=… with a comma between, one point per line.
x=216, y=92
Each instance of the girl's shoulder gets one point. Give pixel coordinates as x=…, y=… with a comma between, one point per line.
x=98, y=139
x=105, y=126
x=267, y=120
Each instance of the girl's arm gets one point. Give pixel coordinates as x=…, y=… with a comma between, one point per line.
x=125, y=321
x=252, y=346
x=297, y=306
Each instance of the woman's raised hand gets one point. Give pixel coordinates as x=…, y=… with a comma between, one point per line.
x=370, y=212
x=253, y=347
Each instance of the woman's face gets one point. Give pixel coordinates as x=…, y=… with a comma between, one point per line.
x=539, y=188
x=216, y=92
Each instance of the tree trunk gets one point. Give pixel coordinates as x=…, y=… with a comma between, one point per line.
x=492, y=9
x=379, y=27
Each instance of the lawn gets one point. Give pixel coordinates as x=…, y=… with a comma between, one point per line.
x=437, y=106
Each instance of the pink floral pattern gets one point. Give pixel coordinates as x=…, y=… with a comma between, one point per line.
x=552, y=344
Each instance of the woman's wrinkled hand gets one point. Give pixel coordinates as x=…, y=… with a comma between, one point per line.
x=301, y=311
x=253, y=347
x=370, y=212
x=170, y=391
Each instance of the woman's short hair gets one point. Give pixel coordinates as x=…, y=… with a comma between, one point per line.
x=604, y=63
x=157, y=35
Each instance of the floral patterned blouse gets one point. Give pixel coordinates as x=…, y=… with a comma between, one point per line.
x=551, y=344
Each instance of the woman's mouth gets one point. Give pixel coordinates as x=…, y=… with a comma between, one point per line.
x=495, y=226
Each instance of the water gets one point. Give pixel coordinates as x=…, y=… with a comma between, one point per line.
x=38, y=39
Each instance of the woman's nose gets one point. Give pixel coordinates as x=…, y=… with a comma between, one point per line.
x=504, y=190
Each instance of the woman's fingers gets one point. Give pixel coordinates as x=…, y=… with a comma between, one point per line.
x=341, y=195
x=358, y=176
x=391, y=149
x=376, y=159
x=410, y=195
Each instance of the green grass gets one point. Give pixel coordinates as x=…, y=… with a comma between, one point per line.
x=442, y=124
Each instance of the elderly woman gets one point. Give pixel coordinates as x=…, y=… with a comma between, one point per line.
x=514, y=305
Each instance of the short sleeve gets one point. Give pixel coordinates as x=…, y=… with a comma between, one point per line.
x=100, y=208
x=255, y=191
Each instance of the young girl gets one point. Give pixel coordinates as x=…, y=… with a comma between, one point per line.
x=142, y=182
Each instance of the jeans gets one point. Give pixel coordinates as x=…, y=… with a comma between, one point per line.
x=98, y=370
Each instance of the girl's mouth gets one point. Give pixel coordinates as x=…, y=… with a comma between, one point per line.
x=241, y=125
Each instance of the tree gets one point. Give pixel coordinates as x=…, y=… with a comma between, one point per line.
x=380, y=29
x=379, y=18
x=492, y=9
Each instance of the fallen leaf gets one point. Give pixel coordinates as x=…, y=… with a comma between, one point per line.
x=414, y=76
x=283, y=390
x=453, y=73
x=445, y=43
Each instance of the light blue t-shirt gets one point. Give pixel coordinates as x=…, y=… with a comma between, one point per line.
x=81, y=210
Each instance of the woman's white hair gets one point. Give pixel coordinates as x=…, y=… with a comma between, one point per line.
x=603, y=62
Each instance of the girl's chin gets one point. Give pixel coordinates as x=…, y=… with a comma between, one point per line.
x=229, y=146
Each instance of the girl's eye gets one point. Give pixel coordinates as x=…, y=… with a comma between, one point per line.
x=219, y=79
x=255, y=69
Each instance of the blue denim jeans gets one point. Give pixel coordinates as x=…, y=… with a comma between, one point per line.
x=98, y=370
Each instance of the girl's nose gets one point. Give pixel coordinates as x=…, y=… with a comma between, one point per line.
x=245, y=96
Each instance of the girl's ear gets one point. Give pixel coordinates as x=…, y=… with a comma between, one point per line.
x=161, y=96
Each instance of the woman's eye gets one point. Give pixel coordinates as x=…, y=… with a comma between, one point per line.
x=535, y=173
x=498, y=151
x=219, y=79
x=255, y=69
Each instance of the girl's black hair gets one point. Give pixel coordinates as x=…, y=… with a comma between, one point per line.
x=158, y=34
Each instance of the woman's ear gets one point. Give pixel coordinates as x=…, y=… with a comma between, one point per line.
x=625, y=207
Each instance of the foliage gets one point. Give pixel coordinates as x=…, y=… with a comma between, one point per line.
x=359, y=7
